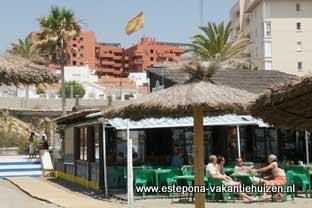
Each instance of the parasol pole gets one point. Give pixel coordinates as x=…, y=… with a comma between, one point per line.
x=198, y=115
x=307, y=146
x=129, y=166
x=104, y=157
x=238, y=141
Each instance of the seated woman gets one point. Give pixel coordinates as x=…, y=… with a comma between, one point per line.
x=214, y=173
x=220, y=164
x=278, y=177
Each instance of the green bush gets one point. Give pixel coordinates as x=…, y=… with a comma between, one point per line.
x=77, y=89
x=12, y=139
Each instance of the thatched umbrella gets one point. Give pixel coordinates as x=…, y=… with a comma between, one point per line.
x=288, y=105
x=199, y=98
x=18, y=71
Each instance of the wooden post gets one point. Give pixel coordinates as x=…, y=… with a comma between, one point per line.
x=199, y=155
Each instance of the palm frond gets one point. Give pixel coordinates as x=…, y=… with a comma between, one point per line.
x=216, y=44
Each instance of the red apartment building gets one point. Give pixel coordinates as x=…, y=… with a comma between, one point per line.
x=112, y=60
x=148, y=52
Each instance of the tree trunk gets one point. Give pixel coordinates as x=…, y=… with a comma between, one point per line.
x=63, y=93
x=199, y=155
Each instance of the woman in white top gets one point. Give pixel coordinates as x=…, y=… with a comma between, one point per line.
x=278, y=177
x=31, y=149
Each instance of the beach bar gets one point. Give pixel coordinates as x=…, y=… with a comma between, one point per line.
x=154, y=141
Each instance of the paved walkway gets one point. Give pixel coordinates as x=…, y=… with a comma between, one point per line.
x=44, y=191
x=12, y=197
x=64, y=197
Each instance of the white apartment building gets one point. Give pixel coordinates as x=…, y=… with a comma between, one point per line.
x=280, y=32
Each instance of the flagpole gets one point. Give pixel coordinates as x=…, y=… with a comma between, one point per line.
x=143, y=30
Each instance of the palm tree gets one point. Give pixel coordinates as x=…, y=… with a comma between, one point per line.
x=216, y=44
x=57, y=29
x=26, y=49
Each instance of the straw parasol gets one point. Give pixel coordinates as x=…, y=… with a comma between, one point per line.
x=18, y=71
x=201, y=97
x=288, y=105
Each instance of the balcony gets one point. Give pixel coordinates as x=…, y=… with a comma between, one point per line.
x=106, y=70
x=117, y=65
x=117, y=57
x=106, y=55
x=138, y=53
x=107, y=63
x=167, y=55
x=138, y=61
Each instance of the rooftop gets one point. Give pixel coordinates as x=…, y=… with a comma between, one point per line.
x=254, y=81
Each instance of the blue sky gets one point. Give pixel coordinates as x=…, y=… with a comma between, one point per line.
x=166, y=20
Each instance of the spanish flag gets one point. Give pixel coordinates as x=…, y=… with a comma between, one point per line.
x=135, y=24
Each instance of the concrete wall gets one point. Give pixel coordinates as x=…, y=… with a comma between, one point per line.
x=41, y=103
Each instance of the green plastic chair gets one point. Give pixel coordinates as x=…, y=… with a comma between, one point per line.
x=143, y=178
x=301, y=179
x=171, y=181
x=246, y=181
x=119, y=173
x=186, y=170
x=290, y=182
x=226, y=196
x=229, y=170
x=176, y=171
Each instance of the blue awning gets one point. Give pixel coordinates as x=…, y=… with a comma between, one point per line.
x=227, y=120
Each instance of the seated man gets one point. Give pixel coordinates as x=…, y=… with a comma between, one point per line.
x=214, y=173
x=241, y=169
x=178, y=159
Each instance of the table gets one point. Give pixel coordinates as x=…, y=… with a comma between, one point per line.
x=158, y=172
x=228, y=170
x=189, y=177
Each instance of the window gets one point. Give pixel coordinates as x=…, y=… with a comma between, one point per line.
x=267, y=29
x=152, y=58
x=268, y=49
x=81, y=39
x=82, y=47
x=152, y=51
x=74, y=45
x=97, y=142
x=74, y=55
x=81, y=63
x=260, y=152
x=268, y=65
x=81, y=55
x=299, y=46
x=298, y=26
x=298, y=7
x=74, y=63
x=300, y=66
x=83, y=144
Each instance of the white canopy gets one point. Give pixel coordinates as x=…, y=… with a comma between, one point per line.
x=227, y=120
